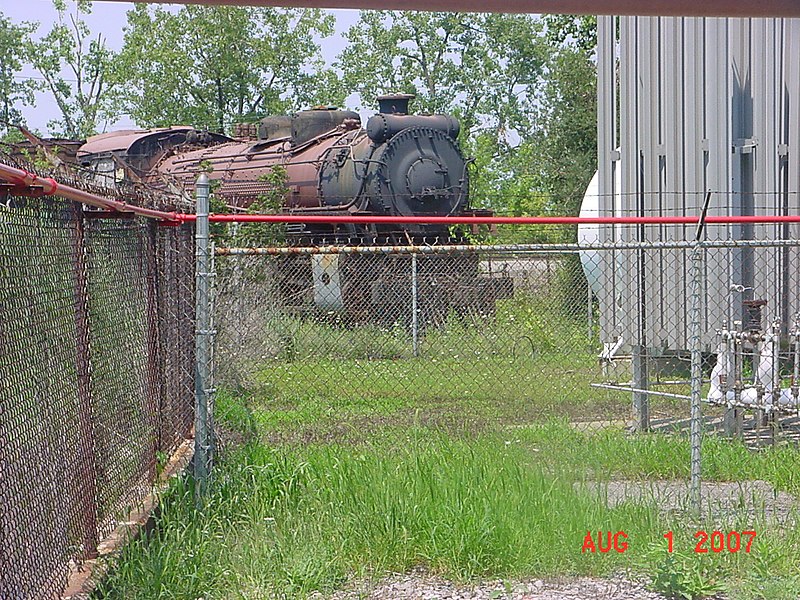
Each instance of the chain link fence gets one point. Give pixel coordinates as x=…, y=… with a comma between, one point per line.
x=96, y=379
x=338, y=344
x=335, y=343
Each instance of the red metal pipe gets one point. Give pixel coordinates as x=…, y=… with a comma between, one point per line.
x=378, y=220
x=50, y=187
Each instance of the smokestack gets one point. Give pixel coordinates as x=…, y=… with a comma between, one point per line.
x=394, y=104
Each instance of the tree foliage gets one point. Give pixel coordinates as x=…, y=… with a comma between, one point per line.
x=578, y=31
x=564, y=144
x=215, y=66
x=547, y=172
x=74, y=66
x=14, y=92
x=480, y=67
x=522, y=86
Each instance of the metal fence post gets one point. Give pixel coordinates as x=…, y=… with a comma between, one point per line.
x=203, y=440
x=695, y=345
x=590, y=311
x=86, y=417
x=641, y=381
x=155, y=360
x=414, y=308
x=641, y=400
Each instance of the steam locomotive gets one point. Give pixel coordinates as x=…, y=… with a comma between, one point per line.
x=399, y=165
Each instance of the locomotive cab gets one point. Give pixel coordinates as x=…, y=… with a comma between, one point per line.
x=130, y=155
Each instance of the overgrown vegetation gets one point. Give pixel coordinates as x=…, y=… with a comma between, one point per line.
x=350, y=466
x=289, y=520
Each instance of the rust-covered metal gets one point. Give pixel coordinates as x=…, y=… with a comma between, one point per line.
x=129, y=154
x=401, y=165
x=239, y=169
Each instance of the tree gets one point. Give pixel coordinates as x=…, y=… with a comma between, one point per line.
x=578, y=31
x=215, y=66
x=14, y=92
x=564, y=143
x=486, y=69
x=547, y=172
x=480, y=67
x=83, y=96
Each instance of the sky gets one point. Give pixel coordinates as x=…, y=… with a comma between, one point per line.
x=109, y=19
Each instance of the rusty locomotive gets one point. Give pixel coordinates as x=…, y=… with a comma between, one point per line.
x=401, y=164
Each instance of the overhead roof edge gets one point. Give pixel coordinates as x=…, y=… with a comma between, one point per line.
x=685, y=8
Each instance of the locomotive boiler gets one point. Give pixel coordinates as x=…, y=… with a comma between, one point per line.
x=400, y=164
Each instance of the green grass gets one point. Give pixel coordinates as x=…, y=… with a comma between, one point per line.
x=615, y=453
x=286, y=521
x=356, y=459
x=307, y=391
x=290, y=522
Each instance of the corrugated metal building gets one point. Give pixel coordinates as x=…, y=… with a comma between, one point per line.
x=688, y=105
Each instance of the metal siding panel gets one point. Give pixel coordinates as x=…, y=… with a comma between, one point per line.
x=650, y=90
x=761, y=280
x=625, y=318
x=764, y=54
x=694, y=176
x=767, y=160
x=716, y=118
x=605, y=110
x=674, y=131
x=791, y=108
x=654, y=205
x=717, y=112
x=786, y=291
x=606, y=142
x=683, y=82
x=742, y=181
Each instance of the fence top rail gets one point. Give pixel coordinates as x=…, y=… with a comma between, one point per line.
x=27, y=183
x=500, y=248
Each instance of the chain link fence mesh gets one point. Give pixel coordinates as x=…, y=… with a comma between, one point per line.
x=333, y=344
x=337, y=344
x=96, y=380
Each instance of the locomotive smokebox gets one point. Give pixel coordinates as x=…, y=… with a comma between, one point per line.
x=407, y=165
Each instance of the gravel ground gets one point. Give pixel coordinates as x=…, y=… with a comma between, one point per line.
x=721, y=501
x=420, y=586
